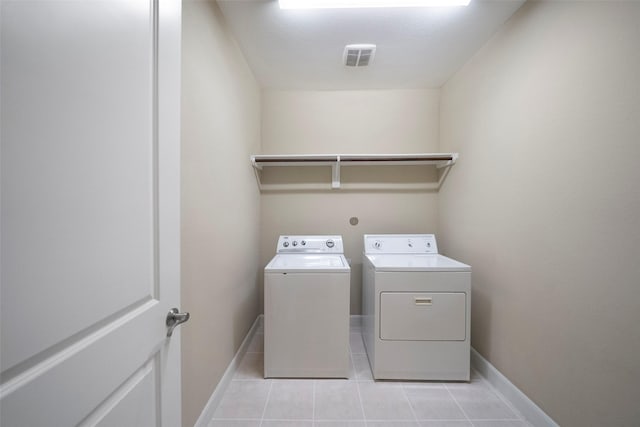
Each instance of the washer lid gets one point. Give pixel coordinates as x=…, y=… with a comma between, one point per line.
x=411, y=262
x=307, y=263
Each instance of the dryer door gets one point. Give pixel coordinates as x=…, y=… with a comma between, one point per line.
x=422, y=316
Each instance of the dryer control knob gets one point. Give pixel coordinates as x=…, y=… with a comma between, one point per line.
x=295, y=243
x=303, y=243
x=330, y=243
x=285, y=244
x=377, y=244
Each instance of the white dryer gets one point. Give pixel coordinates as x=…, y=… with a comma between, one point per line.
x=306, y=309
x=416, y=307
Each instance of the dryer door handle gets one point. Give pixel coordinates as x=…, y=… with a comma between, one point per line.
x=423, y=301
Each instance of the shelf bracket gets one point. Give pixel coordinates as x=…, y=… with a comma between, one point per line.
x=454, y=158
x=335, y=173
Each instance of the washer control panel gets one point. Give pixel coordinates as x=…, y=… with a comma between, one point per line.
x=310, y=244
x=400, y=244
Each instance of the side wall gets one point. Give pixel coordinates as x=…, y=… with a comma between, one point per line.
x=544, y=203
x=341, y=122
x=220, y=201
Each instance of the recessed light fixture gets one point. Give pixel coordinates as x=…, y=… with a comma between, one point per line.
x=336, y=4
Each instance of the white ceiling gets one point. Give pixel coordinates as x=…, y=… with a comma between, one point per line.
x=416, y=47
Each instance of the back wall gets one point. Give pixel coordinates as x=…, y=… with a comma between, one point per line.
x=348, y=122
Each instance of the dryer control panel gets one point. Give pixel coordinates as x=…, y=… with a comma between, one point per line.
x=310, y=244
x=400, y=244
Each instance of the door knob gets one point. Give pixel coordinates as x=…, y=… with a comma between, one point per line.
x=175, y=318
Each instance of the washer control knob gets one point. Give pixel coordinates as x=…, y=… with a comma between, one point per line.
x=285, y=244
x=303, y=243
x=377, y=244
x=330, y=243
x=295, y=243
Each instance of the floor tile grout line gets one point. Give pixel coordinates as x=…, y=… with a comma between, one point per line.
x=404, y=393
x=264, y=410
x=313, y=404
x=457, y=403
x=355, y=373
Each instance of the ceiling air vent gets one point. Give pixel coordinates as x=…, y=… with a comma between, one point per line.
x=358, y=55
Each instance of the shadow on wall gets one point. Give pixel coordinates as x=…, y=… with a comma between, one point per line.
x=481, y=307
x=376, y=178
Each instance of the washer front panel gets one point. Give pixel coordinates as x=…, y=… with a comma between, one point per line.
x=306, y=326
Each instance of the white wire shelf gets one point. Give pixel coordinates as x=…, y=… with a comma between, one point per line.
x=439, y=160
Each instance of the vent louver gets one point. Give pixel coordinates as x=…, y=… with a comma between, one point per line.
x=358, y=55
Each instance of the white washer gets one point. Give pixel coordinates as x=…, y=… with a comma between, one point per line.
x=416, y=309
x=306, y=309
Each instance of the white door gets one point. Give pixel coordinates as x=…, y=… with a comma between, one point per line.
x=90, y=257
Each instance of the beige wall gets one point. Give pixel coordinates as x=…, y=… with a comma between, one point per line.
x=544, y=203
x=220, y=201
x=305, y=122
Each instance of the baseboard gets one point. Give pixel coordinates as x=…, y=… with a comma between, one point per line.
x=355, y=321
x=207, y=413
x=527, y=408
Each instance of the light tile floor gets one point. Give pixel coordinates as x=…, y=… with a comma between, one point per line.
x=252, y=401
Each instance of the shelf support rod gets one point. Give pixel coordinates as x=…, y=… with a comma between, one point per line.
x=335, y=172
